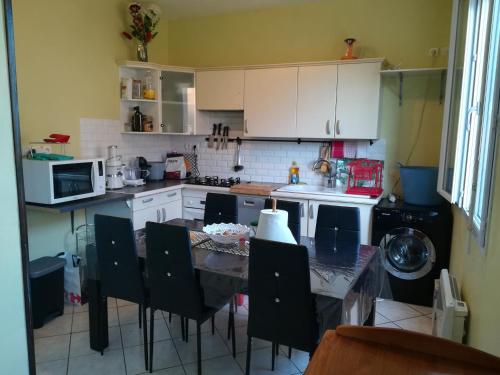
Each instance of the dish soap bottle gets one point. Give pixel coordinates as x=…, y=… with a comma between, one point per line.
x=293, y=176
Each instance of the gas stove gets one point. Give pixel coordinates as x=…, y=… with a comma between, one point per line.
x=214, y=181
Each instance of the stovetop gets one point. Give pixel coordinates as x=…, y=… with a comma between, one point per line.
x=214, y=181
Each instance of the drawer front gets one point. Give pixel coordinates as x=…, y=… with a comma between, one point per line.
x=172, y=196
x=156, y=199
x=193, y=202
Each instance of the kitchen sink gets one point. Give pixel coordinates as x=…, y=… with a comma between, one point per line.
x=315, y=189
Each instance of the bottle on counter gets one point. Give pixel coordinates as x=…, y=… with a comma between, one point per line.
x=137, y=119
x=293, y=176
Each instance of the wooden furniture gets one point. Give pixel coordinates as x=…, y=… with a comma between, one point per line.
x=220, y=90
x=372, y=350
x=317, y=97
x=270, y=102
x=252, y=189
x=173, y=108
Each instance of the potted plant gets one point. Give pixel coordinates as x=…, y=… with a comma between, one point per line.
x=144, y=21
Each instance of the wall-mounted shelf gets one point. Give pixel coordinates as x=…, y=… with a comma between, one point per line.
x=155, y=133
x=441, y=71
x=140, y=100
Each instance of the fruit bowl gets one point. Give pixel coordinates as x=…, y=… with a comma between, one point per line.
x=226, y=234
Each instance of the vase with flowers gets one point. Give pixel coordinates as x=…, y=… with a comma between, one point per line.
x=144, y=21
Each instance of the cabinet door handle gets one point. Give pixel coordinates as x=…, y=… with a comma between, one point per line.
x=202, y=202
x=172, y=195
x=248, y=203
x=246, y=126
x=302, y=210
x=158, y=215
x=337, y=127
x=147, y=200
x=311, y=212
x=328, y=130
x=164, y=214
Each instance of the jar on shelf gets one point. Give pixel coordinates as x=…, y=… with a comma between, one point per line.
x=136, y=89
x=149, y=91
x=147, y=124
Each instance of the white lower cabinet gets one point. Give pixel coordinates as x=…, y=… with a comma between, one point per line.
x=365, y=218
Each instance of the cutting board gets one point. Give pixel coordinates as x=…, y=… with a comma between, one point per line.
x=252, y=189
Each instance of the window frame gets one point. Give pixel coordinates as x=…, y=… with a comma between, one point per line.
x=478, y=116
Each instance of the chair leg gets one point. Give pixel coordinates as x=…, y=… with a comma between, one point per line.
x=249, y=351
x=170, y=317
x=145, y=334
x=236, y=303
x=140, y=316
x=290, y=352
x=213, y=324
x=277, y=348
x=233, y=336
x=231, y=315
x=151, y=339
x=273, y=357
x=183, y=330
x=187, y=330
x=198, y=345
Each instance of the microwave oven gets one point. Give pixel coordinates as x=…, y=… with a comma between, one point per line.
x=52, y=182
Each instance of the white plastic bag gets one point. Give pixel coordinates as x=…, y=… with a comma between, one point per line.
x=72, y=282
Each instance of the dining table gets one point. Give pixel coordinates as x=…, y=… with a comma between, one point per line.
x=346, y=278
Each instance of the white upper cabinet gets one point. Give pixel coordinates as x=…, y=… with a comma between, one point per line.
x=271, y=102
x=317, y=93
x=358, y=92
x=220, y=90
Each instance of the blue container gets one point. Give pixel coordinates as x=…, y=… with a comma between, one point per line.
x=420, y=186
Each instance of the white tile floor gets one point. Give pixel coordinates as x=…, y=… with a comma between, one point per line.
x=62, y=345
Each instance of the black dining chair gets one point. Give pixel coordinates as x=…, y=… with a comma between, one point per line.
x=294, y=214
x=281, y=305
x=120, y=271
x=220, y=208
x=174, y=284
x=337, y=225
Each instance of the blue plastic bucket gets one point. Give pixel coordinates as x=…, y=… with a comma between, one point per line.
x=420, y=186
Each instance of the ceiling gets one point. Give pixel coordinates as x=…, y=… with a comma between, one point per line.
x=174, y=9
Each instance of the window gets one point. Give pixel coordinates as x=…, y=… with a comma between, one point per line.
x=471, y=110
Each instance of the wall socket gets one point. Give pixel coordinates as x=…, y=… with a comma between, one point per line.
x=433, y=51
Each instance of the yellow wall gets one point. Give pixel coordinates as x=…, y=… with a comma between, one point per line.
x=66, y=54
x=400, y=30
x=478, y=273
x=66, y=63
x=312, y=32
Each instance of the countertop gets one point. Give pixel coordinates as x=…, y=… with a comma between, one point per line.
x=79, y=204
x=157, y=187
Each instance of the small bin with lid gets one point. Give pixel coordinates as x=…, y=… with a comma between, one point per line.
x=47, y=288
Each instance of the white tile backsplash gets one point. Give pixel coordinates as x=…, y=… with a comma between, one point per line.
x=97, y=134
x=263, y=161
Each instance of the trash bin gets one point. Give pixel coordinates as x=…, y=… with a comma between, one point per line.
x=47, y=288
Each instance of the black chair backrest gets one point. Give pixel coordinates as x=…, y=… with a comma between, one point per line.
x=173, y=283
x=281, y=306
x=337, y=225
x=220, y=208
x=119, y=268
x=293, y=209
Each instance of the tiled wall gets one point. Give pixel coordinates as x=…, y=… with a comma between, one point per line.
x=97, y=134
x=262, y=161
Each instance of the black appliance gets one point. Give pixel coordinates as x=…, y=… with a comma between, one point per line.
x=415, y=241
x=214, y=181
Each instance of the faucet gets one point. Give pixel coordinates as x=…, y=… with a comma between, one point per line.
x=331, y=173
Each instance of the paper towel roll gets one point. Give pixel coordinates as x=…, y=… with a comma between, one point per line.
x=273, y=226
